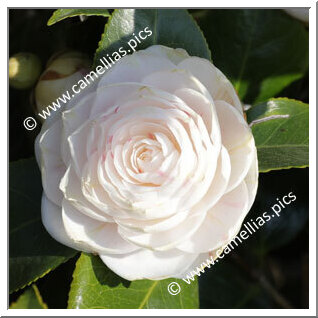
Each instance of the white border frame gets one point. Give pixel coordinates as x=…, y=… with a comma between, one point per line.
x=312, y=160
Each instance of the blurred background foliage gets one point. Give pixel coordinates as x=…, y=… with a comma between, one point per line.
x=270, y=270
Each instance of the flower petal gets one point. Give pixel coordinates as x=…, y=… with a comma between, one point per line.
x=101, y=237
x=219, y=183
x=71, y=187
x=132, y=68
x=51, y=164
x=163, y=241
x=251, y=180
x=174, y=79
x=174, y=55
x=154, y=226
x=146, y=264
x=52, y=221
x=213, y=79
x=238, y=140
x=72, y=119
x=205, y=108
x=221, y=223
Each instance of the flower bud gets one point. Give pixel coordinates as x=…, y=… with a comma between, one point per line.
x=24, y=70
x=62, y=72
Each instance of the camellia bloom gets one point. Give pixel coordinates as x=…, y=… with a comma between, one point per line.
x=152, y=167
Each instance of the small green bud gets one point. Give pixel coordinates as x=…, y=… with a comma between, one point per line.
x=24, y=70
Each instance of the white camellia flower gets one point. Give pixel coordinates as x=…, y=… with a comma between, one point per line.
x=153, y=167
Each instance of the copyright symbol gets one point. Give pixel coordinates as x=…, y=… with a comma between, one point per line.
x=29, y=123
x=174, y=288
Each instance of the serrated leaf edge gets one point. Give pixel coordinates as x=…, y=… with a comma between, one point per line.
x=42, y=275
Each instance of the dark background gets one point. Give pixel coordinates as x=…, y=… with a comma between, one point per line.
x=269, y=270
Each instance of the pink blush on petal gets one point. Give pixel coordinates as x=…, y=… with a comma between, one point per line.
x=161, y=174
x=236, y=205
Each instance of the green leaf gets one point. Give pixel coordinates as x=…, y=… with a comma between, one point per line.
x=33, y=253
x=95, y=286
x=30, y=299
x=281, y=131
x=173, y=28
x=227, y=286
x=261, y=51
x=62, y=14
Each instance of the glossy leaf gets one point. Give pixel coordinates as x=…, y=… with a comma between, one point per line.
x=281, y=131
x=95, y=286
x=261, y=51
x=174, y=28
x=30, y=299
x=33, y=253
x=62, y=14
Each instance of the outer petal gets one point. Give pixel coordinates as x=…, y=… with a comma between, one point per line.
x=77, y=144
x=221, y=222
x=71, y=187
x=201, y=262
x=219, y=183
x=213, y=79
x=174, y=79
x=146, y=264
x=72, y=119
x=174, y=55
x=132, y=68
x=51, y=164
x=193, y=266
x=110, y=95
x=238, y=140
x=52, y=221
x=166, y=240
x=101, y=237
x=251, y=180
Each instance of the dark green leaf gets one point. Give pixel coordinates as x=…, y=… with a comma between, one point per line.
x=95, y=286
x=226, y=286
x=33, y=253
x=261, y=51
x=62, y=14
x=30, y=299
x=173, y=28
x=281, y=131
